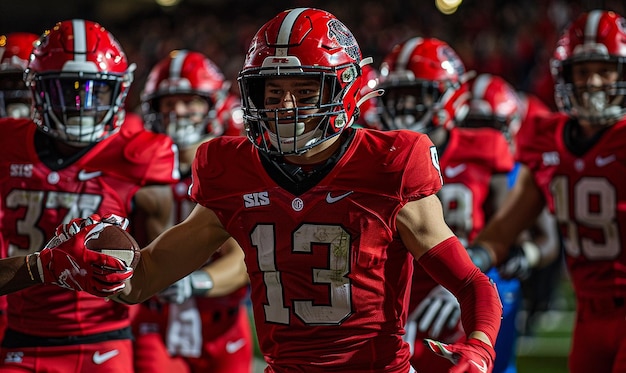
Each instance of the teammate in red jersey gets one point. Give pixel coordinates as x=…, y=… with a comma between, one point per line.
x=328, y=216
x=15, y=99
x=573, y=162
x=201, y=317
x=80, y=155
x=426, y=90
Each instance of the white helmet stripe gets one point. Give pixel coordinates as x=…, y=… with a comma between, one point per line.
x=406, y=52
x=80, y=40
x=285, y=30
x=591, y=28
x=480, y=86
x=176, y=65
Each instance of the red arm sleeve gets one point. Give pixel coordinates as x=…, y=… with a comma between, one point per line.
x=449, y=265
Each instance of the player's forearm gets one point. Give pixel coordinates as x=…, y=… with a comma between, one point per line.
x=229, y=272
x=481, y=310
x=17, y=273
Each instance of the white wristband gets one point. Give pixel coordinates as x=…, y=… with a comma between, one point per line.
x=531, y=252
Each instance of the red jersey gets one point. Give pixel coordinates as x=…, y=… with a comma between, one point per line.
x=586, y=191
x=468, y=162
x=329, y=274
x=36, y=199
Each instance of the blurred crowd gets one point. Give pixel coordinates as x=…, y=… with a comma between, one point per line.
x=513, y=39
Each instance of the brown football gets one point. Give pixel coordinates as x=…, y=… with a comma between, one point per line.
x=115, y=241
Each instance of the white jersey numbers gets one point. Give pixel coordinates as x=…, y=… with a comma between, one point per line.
x=333, y=278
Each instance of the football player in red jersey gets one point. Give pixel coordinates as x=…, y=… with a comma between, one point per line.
x=76, y=157
x=15, y=98
x=328, y=216
x=427, y=91
x=201, y=317
x=573, y=162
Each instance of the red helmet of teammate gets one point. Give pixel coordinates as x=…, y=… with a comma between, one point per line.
x=594, y=36
x=79, y=77
x=425, y=85
x=190, y=73
x=302, y=43
x=495, y=104
x=15, y=98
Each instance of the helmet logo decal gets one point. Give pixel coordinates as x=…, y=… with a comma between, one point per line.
x=343, y=36
x=455, y=65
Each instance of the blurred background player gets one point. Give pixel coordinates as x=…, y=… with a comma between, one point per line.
x=15, y=97
x=496, y=104
x=573, y=164
x=201, y=318
x=76, y=157
x=426, y=90
x=540, y=289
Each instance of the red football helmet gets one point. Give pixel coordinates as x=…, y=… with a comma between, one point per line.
x=425, y=85
x=594, y=36
x=191, y=73
x=79, y=77
x=303, y=43
x=15, y=98
x=494, y=104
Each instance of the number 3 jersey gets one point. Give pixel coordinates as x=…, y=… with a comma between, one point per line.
x=328, y=271
x=36, y=199
x=586, y=191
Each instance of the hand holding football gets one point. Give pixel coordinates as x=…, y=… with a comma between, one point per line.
x=115, y=241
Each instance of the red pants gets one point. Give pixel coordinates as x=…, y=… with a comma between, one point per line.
x=102, y=357
x=599, y=340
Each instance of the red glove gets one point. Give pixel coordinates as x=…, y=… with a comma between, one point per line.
x=471, y=356
x=65, y=231
x=66, y=262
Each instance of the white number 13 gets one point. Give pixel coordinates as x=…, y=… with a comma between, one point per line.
x=338, y=240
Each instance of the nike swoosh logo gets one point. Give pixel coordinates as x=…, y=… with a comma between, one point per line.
x=331, y=199
x=99, y=358
x=603, y=161
x=455, y=171
x=232, y=347
x=482, y=368
x=84, y=175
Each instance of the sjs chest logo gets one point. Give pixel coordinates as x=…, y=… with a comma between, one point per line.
x=256, y=199
x=21, y=170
